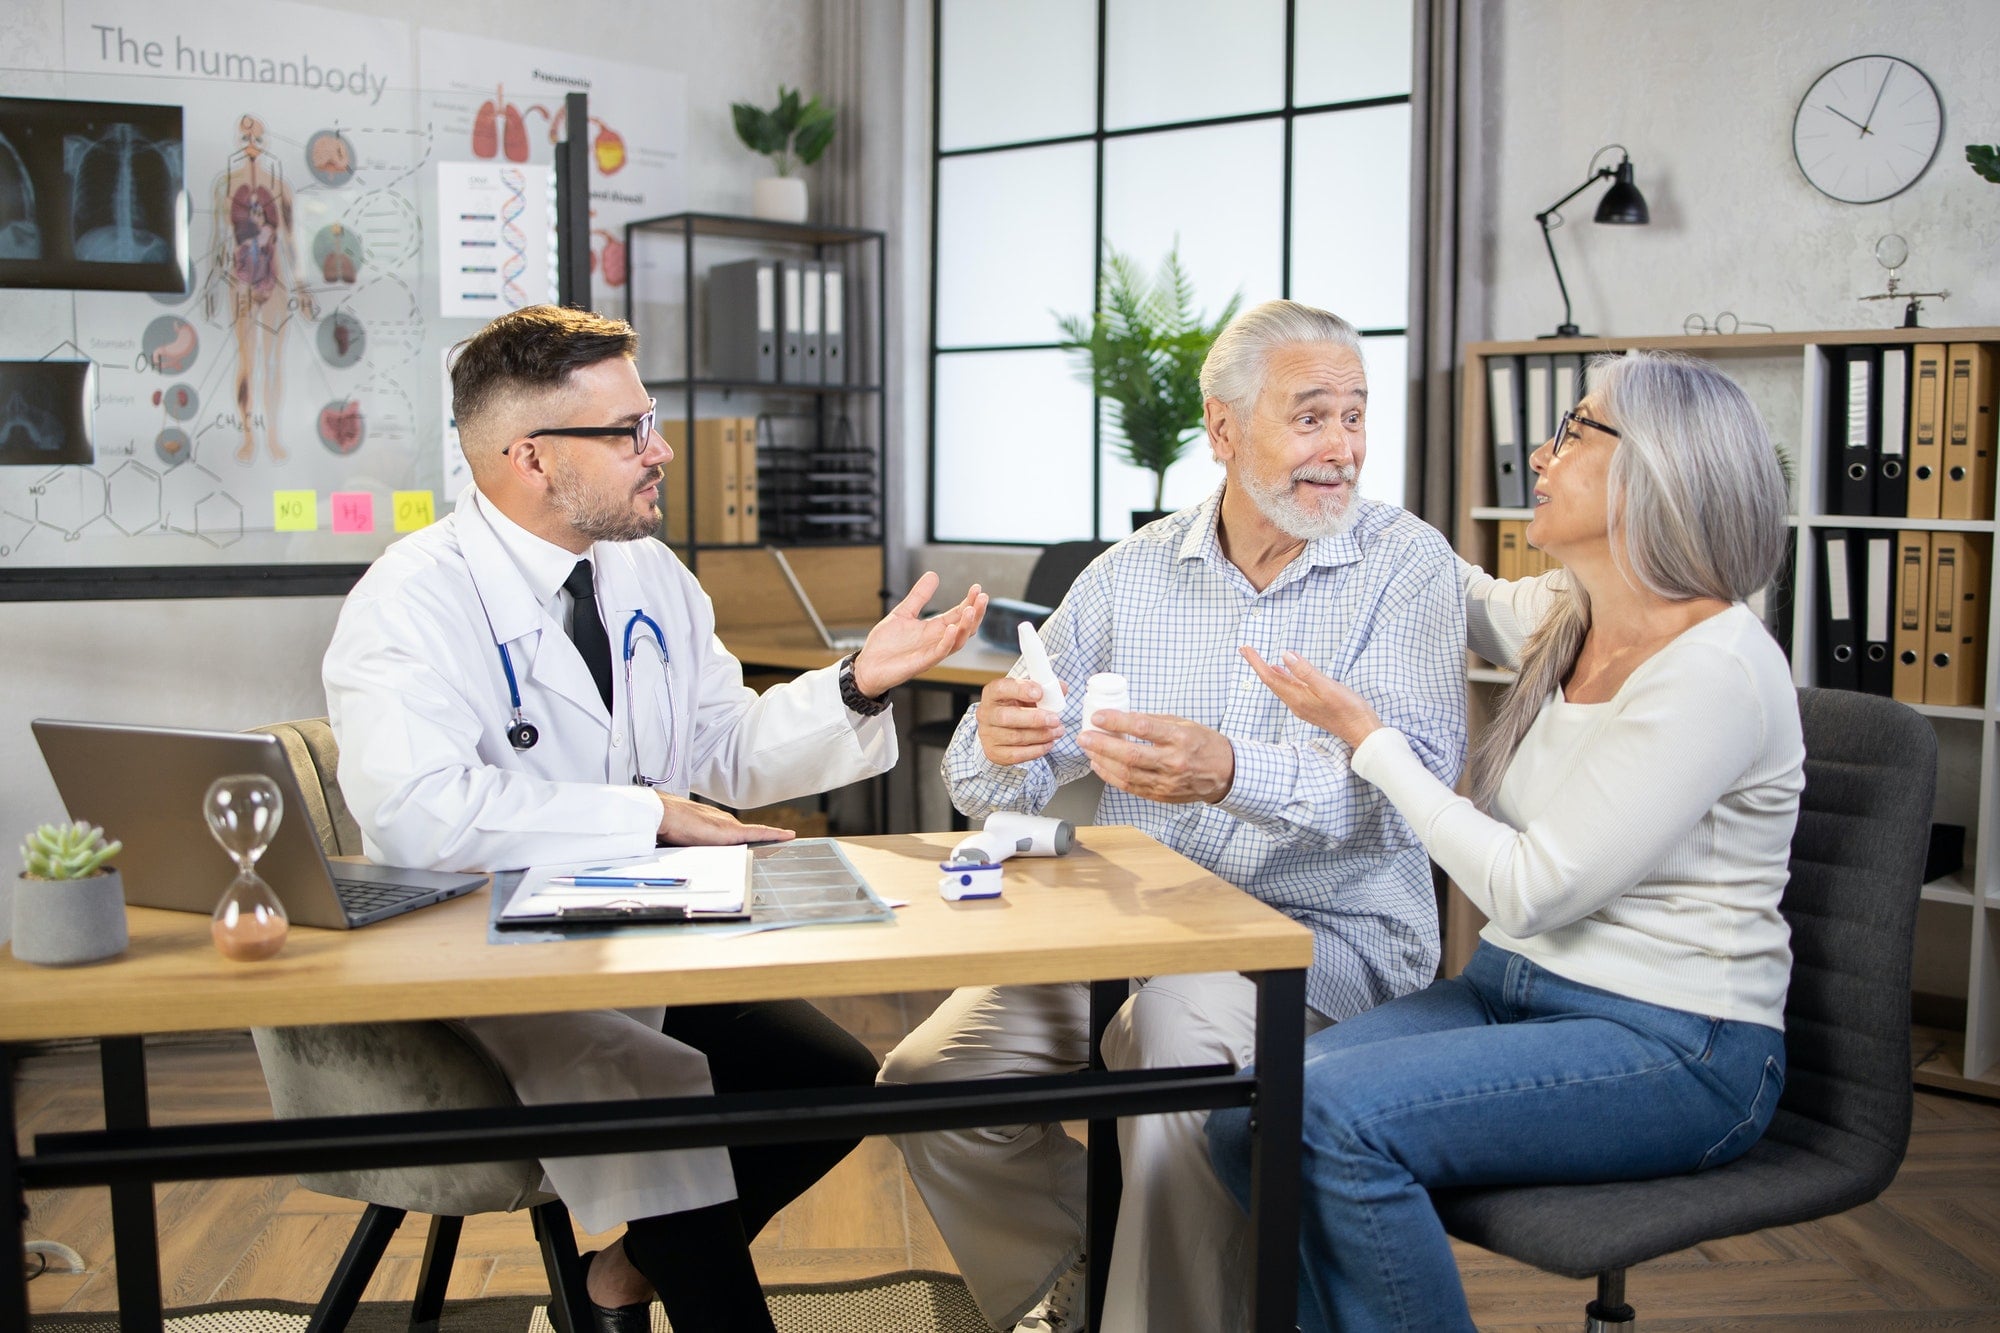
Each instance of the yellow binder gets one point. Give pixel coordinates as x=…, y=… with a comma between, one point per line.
x=1926, y=418
x=1956, y=635
x=1968, y=433
x=747, y=505
x=1913, y=585
x=715, y=466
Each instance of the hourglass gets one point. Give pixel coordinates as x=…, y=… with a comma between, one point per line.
x=243, y=812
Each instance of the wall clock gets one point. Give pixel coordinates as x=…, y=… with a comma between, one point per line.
x=1867, y=128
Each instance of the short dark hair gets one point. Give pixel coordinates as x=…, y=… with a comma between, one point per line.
x=535, y=347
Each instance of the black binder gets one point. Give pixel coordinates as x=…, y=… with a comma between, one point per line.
x=1854, y=411
x=1892, y=436
x=1876, y=571
x=1839, y=649
x=1506, y=417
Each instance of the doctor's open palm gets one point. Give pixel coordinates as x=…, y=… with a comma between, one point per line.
x=903, y=643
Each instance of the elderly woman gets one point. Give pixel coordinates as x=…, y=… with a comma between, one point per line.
x=1631, y=811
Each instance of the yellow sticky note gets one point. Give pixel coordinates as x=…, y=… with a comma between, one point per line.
x=295, y=511
x=413, y=510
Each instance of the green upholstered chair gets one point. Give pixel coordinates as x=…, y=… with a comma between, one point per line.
x=369, y=1068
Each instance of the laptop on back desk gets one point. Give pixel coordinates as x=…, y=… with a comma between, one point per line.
x=145, y=786
x=843, y=640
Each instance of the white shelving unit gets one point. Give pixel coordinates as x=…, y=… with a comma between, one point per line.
x=1962, y=916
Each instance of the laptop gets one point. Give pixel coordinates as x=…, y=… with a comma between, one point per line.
x=145, y=786
x=839, y=641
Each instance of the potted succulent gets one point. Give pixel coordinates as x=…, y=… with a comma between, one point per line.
x=69, y=906
x=1142, y=354
x=790, y=131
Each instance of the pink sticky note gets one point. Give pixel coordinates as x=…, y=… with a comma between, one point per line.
x=353, y=511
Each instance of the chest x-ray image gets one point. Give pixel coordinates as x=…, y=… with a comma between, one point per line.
x=45, y=413
x=92, y=195
x=20, y=230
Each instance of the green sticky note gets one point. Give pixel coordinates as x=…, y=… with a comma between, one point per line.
x=413, y=510
x=295, y=511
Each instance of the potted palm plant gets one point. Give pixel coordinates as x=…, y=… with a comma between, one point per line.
x=69, y=905
x=1141, y=353
x=790, y=130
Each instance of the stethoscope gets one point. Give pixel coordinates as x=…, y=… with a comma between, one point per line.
x=523, y=734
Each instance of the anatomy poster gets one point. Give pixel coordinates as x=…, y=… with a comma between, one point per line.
x=274, y=413
x=501, y=103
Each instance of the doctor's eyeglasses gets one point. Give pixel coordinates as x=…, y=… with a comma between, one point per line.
x=639, y=432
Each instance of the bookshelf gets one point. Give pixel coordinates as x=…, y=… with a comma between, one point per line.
x=1957, y=1040
x=818, y=440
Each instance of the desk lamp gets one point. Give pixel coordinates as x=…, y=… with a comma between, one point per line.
x=1622, y=204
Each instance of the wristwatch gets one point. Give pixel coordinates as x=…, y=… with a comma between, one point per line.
x=850, y=693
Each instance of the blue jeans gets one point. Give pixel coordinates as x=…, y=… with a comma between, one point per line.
x=1506, y=1074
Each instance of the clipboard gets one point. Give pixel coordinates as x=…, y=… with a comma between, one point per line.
x=680, y=884
x=596, y=915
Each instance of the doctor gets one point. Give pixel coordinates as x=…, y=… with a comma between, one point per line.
x=533, y=680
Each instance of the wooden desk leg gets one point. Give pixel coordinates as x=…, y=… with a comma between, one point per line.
x=1105, y=1180
x=13, y=1205
x=135, y=1237
x=1274, y=1150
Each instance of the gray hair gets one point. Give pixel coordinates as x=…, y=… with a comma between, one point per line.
x=1695, y=504
x=1234, y=368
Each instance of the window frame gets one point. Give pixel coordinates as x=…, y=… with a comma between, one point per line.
x=1099, y=137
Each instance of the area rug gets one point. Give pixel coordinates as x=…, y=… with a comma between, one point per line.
x=913, y=1302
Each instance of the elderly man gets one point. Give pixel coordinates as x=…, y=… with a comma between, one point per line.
x=488, y=719
x=1284, y=555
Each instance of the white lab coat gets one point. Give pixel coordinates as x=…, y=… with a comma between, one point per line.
x=420, y=706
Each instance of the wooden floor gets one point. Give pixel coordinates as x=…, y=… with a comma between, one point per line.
x=1924, y=1256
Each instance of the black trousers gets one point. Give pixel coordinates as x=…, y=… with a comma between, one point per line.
x=699, y=1261
x=772, y=1046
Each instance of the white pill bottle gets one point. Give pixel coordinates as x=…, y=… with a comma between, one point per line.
x=1105, y=689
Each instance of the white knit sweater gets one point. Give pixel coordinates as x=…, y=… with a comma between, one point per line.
x=1641, y=843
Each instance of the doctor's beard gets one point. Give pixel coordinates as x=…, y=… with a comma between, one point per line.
x=1301, y=518
x=598, y=514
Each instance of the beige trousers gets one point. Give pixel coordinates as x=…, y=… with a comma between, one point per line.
x=1009, y=1200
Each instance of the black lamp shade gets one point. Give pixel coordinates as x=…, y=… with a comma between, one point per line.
x=1623, y=203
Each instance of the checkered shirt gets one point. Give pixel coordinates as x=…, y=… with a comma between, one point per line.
x=1378, y=608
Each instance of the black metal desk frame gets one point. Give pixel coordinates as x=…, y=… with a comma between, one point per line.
x=130, y=1155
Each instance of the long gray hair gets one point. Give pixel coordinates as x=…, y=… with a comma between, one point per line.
x=1695, y=504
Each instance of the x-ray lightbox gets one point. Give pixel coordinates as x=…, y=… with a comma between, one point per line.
x=92, y=195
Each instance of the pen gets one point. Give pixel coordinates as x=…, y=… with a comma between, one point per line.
x=618, y=882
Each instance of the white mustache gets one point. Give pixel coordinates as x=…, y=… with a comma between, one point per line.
x=1326, y=476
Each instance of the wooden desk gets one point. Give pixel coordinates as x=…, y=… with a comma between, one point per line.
x=799, y=649
x=1120, y=906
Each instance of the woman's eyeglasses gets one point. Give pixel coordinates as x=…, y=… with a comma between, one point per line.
x=1570, y=420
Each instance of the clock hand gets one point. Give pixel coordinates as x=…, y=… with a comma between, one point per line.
x=1849, y=119
x=1878, y=98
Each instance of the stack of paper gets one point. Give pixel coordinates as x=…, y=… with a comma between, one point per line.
x=678, y=883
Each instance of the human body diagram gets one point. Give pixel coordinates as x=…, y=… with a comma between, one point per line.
x=256, y=270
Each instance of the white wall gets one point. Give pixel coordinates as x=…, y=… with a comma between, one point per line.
x=1703, y=92
x=231, y=663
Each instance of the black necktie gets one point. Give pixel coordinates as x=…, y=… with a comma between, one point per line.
x=586, y=628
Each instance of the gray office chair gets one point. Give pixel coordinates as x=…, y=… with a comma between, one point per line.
x=368, y=1068
x=1844, y=1120
x=1048, y=583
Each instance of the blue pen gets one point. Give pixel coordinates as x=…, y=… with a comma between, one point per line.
x=618, y=882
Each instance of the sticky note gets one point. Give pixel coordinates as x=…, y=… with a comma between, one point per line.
x=413, y=510
x=353, y=511
x=295, y=511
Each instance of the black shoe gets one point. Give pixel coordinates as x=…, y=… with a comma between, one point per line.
x=634, y=1318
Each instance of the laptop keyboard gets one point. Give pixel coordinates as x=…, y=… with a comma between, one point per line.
x=361, y=898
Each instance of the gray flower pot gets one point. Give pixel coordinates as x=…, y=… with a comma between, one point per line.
x=69, y=921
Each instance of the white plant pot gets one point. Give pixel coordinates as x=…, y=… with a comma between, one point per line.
x=60, y=921
x=779, y=199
